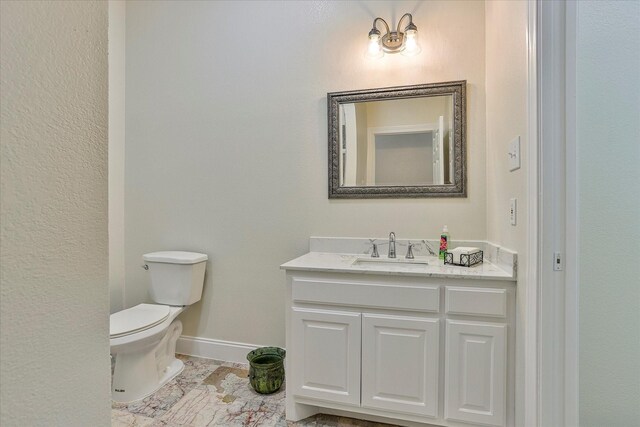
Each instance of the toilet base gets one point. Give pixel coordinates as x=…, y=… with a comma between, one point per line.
x=140, y=373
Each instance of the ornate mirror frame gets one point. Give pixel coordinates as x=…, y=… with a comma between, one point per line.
x=457, y=189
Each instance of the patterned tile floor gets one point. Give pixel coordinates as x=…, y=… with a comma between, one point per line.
x=215, y=393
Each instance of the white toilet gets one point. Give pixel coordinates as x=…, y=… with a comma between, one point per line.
x=143, y=338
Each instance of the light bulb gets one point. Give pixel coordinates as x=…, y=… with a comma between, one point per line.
x=374, y=50
x=411, y=46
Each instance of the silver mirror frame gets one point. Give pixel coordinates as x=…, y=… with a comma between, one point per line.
x=459, y=186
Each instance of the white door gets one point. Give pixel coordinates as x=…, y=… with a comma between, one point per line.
x=400, y=364
x=451, y=151
x=438, y=153
x=349, y=145
x=325, y=356
x=475, y=377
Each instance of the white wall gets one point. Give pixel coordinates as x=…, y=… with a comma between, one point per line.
x=399, y=112
x=608, y=145
x=506, y=74
x=117, y=19
x=54, y=301
x=506, y=119
x=226, y=140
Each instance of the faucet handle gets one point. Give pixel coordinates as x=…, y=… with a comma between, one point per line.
x=374, y=252
x=429, y=248
x=374, y=249
x=409, y=254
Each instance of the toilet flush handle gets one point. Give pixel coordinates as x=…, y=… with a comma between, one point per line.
x=145, y=266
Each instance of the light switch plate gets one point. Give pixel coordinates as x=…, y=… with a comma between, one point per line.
x=513, y=210
x=558, y=263
x=514, y=154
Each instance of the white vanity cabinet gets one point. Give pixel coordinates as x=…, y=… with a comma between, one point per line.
x=400, y=349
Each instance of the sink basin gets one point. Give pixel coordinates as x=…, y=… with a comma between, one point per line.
x=390, y=262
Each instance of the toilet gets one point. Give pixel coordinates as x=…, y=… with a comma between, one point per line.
x=143, y=338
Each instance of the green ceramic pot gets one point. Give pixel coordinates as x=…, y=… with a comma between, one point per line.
x=266, y=369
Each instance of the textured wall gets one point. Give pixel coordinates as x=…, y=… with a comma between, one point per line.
x=54, y=297
x=226, y=140
x=608, y=145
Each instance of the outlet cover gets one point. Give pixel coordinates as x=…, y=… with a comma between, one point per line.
x=514, y=154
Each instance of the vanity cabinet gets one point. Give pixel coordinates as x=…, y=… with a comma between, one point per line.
x=385, y=347
x=399, y=354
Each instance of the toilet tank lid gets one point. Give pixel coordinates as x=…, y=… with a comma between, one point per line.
x=175, y=257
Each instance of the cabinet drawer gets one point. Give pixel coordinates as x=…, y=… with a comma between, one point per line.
x=381, y=295
x=476, y=301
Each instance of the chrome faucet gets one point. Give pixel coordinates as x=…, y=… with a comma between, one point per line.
x=392, y=245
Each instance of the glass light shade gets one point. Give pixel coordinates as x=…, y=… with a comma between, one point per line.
x=374, y=50
x=411, y=46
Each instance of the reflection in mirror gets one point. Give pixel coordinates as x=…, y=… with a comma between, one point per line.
x=398, y=142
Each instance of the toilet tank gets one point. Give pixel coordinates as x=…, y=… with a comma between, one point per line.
x=176, y=277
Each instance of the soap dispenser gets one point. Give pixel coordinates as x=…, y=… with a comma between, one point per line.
x=444, y=242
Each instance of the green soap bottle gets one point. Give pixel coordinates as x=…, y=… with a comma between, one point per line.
x=444, y=242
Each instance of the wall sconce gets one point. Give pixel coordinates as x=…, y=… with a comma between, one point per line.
x=394, y=41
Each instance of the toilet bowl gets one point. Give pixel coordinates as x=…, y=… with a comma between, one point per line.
x=143, y=338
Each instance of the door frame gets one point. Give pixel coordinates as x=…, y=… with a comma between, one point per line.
x=527, y=400
x=554, y=221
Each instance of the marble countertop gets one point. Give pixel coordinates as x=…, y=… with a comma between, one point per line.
x=331, y=262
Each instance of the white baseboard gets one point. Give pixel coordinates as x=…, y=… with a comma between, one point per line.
x=207, y=348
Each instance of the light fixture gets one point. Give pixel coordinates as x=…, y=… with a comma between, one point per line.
x=393, y=41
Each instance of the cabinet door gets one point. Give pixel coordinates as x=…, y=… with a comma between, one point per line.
x=475, y=377
x=400, y=364
x=325, y=356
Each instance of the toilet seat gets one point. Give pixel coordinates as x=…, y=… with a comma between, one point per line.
x=137, y=319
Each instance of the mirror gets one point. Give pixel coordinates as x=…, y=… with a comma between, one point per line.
x=398, y=142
